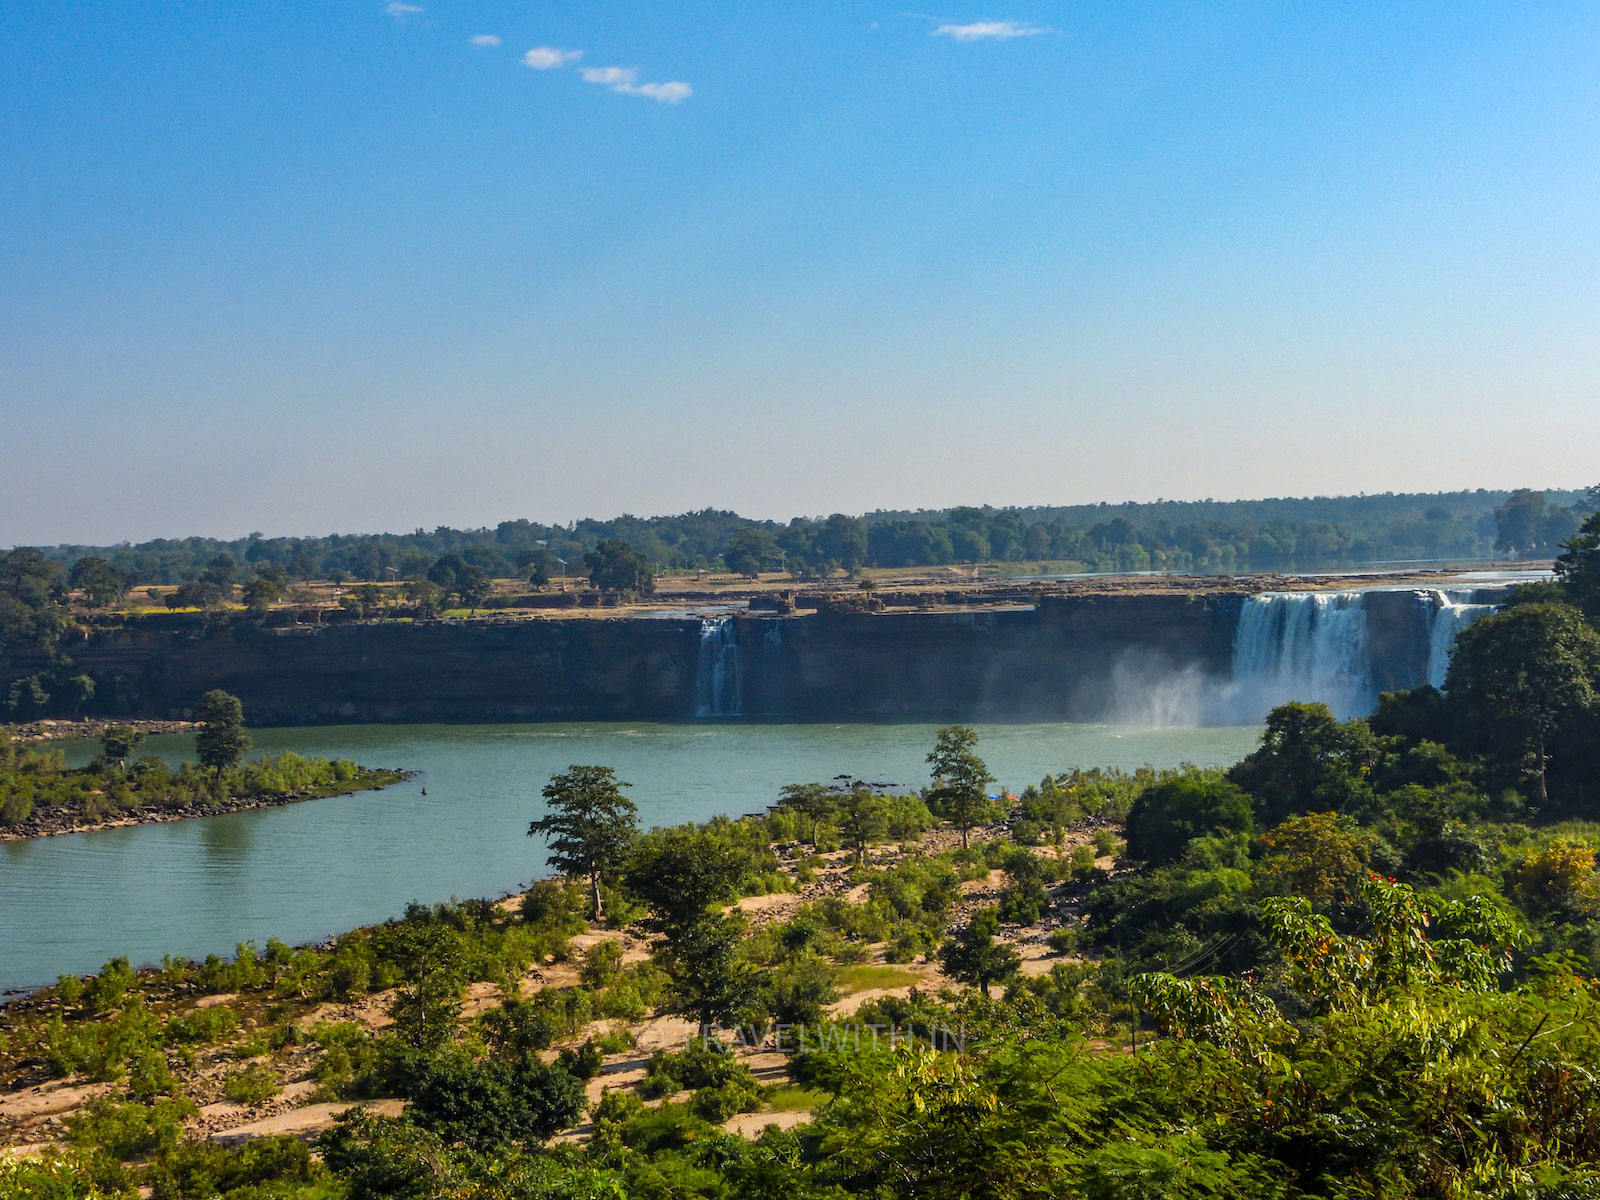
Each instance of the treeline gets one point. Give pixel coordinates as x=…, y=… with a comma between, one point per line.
x=1197, y=536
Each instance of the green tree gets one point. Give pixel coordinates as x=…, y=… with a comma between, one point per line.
x=1518, y=521
x=1321, y=856
x=97, y=579
x=591, y=826
x=1516, y=677
x=615, y=566
x=489, y=1102
x=861, y=818
x=750, y=551
x=1309, y=761
x=119, y=742
x=467, y=581
x=960, y=779
x=679, y=873
x=431, y=959
x=973, y=956
x=1578, y=567
x=711, y=980
x=1168, y=816
x=813, y=801
x=222, y=741
x=259, y=594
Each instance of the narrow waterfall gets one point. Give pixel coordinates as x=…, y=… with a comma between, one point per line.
x=1451, y=614
x=719, y=681
x=1305, y=646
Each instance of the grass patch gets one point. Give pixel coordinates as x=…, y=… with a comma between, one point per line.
x=791, y=1097
x=875, y=975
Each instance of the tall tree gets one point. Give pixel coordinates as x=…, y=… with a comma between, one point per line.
x=222, y=741
x=1578, y=567
x=1516, y=677
x=1517, y=521
x=591, y=826
x=615, y=566
x=681, y=872
x=861, y=819
x=119, y=742
x=813, y=801
x=973, y=956
x=960, y=778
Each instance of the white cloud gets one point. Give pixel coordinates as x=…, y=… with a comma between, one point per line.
x=543, y=58
x=622, y=80
x=400, y=11
x=612, y=77
x=665, y=93
x=485, y=40
x=999, y=31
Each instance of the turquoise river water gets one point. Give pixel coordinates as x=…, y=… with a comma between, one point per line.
x=304, y=871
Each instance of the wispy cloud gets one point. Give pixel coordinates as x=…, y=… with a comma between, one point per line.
x=400, y=11
x=486, y=40
x=673, y=91
x=624, y=81
x=545, y=58
x=995, y=31
x=612, y=77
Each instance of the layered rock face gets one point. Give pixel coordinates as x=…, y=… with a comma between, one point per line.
x=1159, y=658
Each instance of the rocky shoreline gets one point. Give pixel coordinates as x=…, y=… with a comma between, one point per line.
x=89, y=728
x=71, y=818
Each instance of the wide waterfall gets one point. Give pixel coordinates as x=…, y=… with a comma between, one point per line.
x=719, y=679
x=1306, y=646
x=1315, y=646
x=1453, y=611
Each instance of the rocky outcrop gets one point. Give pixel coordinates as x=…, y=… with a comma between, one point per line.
x=1062, y=657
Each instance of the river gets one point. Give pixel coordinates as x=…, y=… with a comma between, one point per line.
x=304, y=871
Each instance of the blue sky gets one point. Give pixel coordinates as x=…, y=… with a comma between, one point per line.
x=339, y=266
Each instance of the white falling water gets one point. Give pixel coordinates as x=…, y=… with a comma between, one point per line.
x=1451, y=614
x=719, y=681
x=1302, y=646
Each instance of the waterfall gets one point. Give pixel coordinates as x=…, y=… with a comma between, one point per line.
x=1451, y=614
x=1304, y=646
x=719, y=681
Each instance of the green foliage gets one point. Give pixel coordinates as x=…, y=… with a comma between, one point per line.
x=960, y=779
x=487, y=1102
x=1518, y=678
x=1167, y=817
x=125, y=1131
x=973, y=956
x=222, y=741
x=590, y=828
x=196, y=1170
x=615, y=566
x=251, y=1084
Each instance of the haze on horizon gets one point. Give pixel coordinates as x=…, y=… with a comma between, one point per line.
x=373, y=266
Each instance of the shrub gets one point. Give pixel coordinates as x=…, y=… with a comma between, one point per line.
x=194, y=1170
x=582, y=1062
x=125, y=1130
x=251, y=1085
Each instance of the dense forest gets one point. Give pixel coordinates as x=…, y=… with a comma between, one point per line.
x=1200, y=536
x=1359, y=963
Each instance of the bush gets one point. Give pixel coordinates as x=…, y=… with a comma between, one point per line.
x=251, y=1085
x=126, y=1131
x=195, y=1170
x=1168, y=816
x=584, y=1062
x=602, y=964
